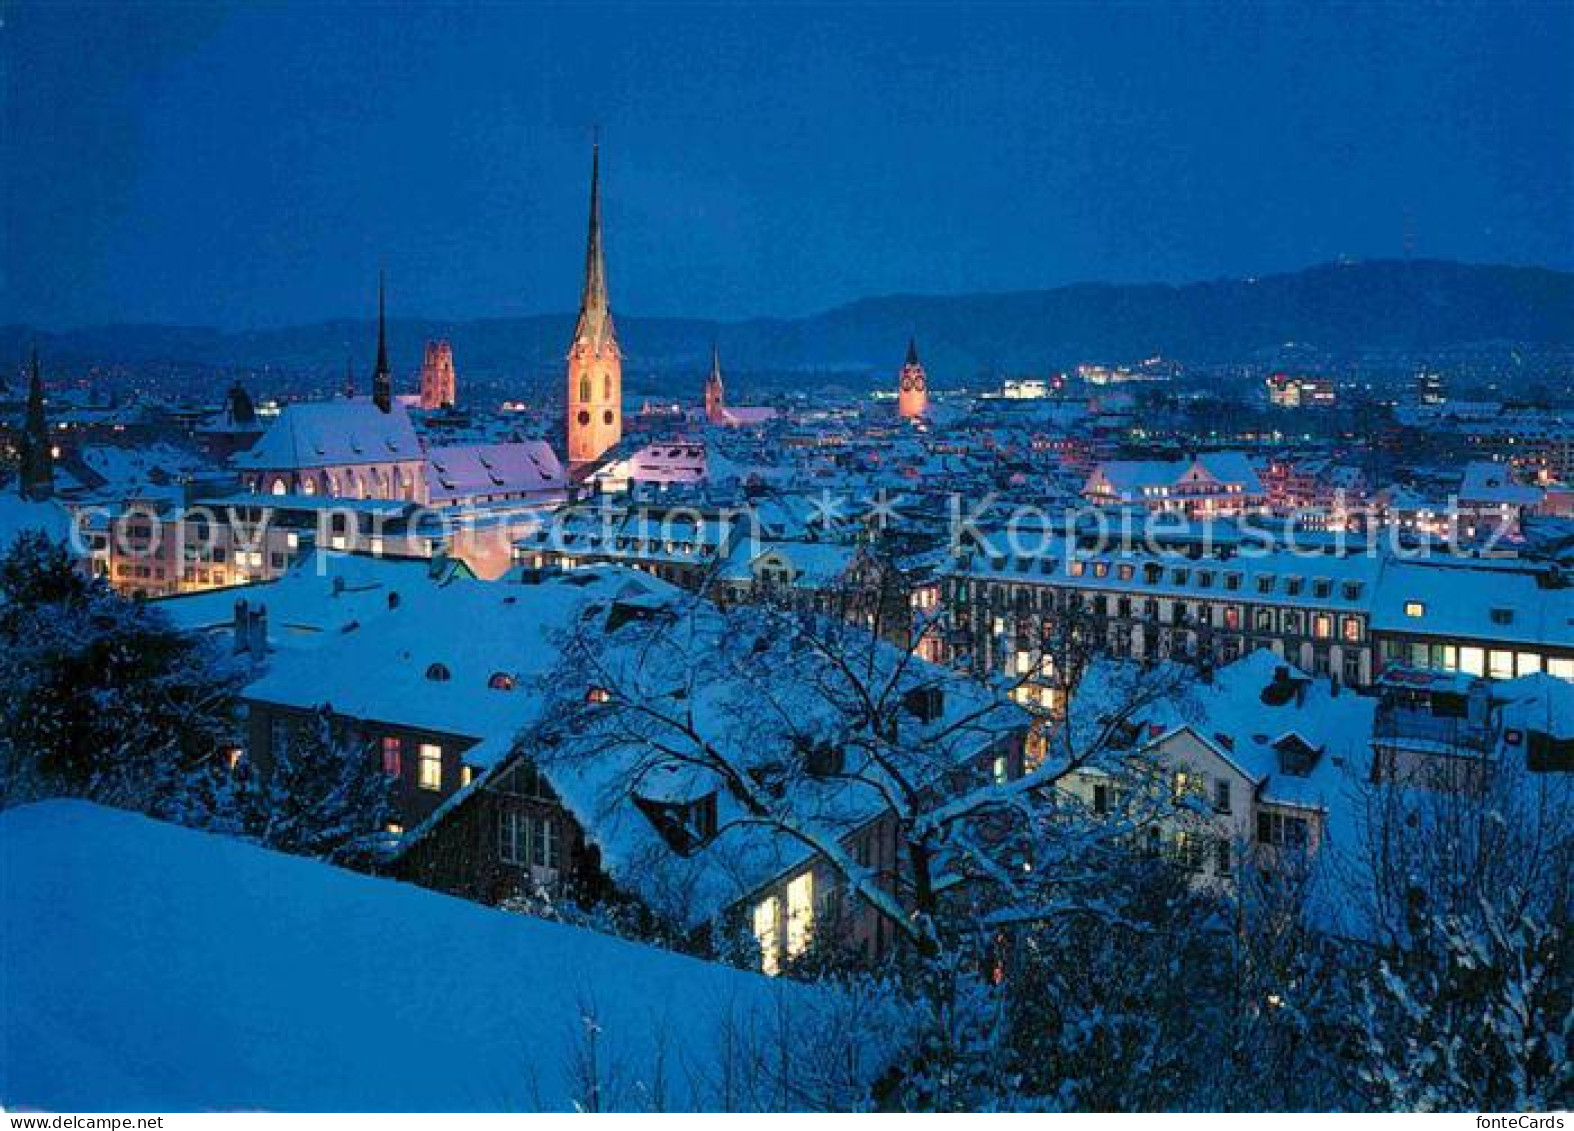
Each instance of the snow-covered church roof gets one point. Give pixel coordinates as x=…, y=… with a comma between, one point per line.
x=333, y=434
x=468, y=470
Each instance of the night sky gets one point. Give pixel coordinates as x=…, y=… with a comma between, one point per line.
x=254, y=165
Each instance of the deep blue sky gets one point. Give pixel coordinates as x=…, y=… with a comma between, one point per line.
x=254, y=164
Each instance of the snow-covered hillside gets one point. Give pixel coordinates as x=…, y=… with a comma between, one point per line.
x=149, y=967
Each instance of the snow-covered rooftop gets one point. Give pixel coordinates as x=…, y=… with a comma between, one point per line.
x=333, y=434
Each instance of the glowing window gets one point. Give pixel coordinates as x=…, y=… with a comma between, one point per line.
x=800, y=914
x=766, y=914
x=393, y=756
x=431, y=766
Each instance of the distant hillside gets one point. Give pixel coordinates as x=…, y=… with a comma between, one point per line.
x=1336, y=312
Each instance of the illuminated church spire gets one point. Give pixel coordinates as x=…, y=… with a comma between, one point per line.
x=595, y=367
x=913, y=396
x=715, y=391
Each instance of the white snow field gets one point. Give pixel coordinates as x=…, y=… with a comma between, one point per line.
x=145, y=966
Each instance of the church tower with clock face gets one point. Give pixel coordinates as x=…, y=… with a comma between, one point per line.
x=595, y=365
x=913, y=400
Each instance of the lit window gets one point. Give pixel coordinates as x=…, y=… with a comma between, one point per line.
x=800, y=914
x=393, y=756
x=431, y=776
x=1415, y=609
x=501, y=681
x=766, y=914
x=1322, y=626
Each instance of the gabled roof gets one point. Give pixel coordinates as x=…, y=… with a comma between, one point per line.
x=332, y=434
x=1233, y=718
x=468, y=470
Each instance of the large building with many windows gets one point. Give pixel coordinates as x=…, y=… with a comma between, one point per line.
x=1344, y=615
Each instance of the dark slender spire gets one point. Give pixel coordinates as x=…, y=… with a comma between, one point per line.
x=912, y=352
x=715, y=362
x=595, y=312
x=382, y=376
x=349, y=377
x=36, y=475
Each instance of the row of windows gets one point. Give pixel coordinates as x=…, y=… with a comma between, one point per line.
x=1287, y=622
x=1494, y=663
x=1155, y=573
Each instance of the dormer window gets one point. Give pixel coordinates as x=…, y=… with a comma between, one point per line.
x=501, y=681
x=595, y=694
x=1415, y=609
x=1297, y=757
x=439, y=673
x=686, y=826
x=1502, y=616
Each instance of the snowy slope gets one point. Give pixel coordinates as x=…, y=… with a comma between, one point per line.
x=149, y=967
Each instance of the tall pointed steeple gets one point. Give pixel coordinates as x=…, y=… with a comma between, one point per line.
x=595, y=312
x=382, y=376
x=594, y=421
x=36, y=475
x=912, y=400
x=715, y=391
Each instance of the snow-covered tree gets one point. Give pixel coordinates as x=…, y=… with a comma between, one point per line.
x=1476, y=1015
x=811, y=722
x=104, y=698
x=1470, y=1002
x=321, y=796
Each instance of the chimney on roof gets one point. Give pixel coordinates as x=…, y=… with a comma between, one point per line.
x=393, y=598
x=238, y=626
x=257, y=633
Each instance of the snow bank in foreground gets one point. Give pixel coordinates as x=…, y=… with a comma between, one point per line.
x=149, y=967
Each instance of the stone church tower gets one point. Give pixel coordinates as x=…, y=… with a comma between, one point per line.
x=437, y=376
x=715, y=393
x=595, y=366
x=913, y=399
